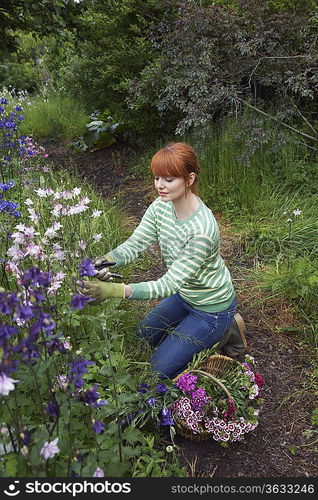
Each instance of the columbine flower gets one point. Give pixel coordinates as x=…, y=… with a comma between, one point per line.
x=96, y=213
x=78, y=368
x=162, y=388
x=98, y=427
x=296, y=212
x=79, y=301
x=87, y=268
x=50, y=449
x=52, y=408
x=99, y=472
x=91, y=395
x=151, y=401
x=97, y=237
x=6, y=384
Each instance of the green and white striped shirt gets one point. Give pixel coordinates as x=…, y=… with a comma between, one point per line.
x=191, y=251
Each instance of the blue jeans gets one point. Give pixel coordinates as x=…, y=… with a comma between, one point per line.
x=177, y=331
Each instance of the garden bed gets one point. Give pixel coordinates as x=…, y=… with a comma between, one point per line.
x=281, y=444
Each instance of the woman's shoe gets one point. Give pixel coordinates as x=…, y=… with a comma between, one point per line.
x=233, y=341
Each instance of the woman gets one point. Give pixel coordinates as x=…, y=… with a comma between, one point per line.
x=198, y=305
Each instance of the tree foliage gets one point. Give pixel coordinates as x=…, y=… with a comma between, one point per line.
x=42, y=17
x=214, y=58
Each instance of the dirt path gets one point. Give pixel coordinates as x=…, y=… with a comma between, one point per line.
x=278, y=447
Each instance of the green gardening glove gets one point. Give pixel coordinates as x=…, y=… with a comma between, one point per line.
x=100, y=291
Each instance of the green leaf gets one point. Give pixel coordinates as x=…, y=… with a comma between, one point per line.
x=133, y=435
x=11, y=465
x=126, y=380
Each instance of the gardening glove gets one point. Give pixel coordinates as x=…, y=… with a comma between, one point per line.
x=101, y=291
x=102, y=266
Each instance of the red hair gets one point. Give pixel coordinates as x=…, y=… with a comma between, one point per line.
x=176, y=159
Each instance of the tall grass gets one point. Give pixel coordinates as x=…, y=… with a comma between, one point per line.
x=56, y=117
x=270, y=195
x=235, y=178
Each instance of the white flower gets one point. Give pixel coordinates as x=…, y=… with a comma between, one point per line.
x=289, y=220
x=33, y=215
x=82, y=245
x=85, y=200
x=15, y=252
x=96, y=213
x=76, y=191
x=21, y=227
x=28, y=202
x=6, y=384
x=25, y=451
x=50, y=232
x=296, y=212
x=57, y=209
x=169, y=449
x=41, y=192
x=56, y=226
x=97, y=237
x=49, y=449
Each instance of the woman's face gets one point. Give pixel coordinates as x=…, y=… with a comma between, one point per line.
x=170, y=188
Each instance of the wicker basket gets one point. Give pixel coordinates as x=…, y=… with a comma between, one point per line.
x=216, y=366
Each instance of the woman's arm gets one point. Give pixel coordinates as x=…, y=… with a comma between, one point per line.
x=184, y=268
x=143, y=236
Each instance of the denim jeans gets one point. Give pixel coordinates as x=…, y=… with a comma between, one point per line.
x=177, y=331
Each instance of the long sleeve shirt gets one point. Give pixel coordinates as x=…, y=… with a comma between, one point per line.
x=191, y=251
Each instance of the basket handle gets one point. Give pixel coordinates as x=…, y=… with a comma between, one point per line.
x=217, y=381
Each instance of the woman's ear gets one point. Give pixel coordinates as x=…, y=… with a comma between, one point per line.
x=192, y=177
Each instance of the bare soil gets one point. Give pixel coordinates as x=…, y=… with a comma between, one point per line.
x=281, y=445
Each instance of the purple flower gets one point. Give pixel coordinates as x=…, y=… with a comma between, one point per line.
x=161, y=388
x=98, y=427
x=100, y=402
x=91, y=395
x=52, y=408
x=34, y=276
x=187, y=382
x=99, y=472
x=166, y=417
x=143, y=388
x=25, y=436
x=151, y=401
x=6, y=331
x=87, y=268
x=78, y=368
x=79, y=301
x=24, y=312
x=56, y=345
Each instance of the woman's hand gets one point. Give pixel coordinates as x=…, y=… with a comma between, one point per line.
x=100, y=291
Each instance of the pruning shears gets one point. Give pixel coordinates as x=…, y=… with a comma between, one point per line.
x=101, y=266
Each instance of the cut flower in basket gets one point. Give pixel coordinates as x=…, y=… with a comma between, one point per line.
x=220, y=401
x=224, y=405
